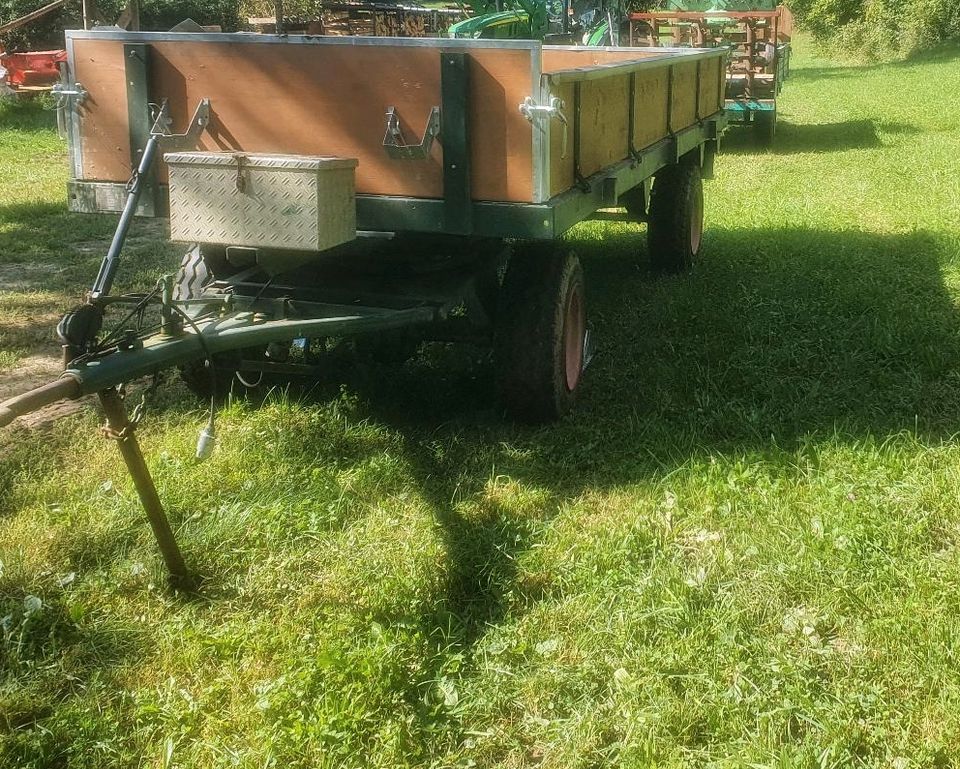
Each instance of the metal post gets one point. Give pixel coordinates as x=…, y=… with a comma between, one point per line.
x=90, y=12
x=108, y=268
x=455, y=130
x=278, y=17
x=120, y=427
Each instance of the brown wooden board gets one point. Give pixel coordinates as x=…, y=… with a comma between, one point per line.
x=650, y=107
x=683, y=111
x=317, y=100
x=711, y=86
x=663, y=103
x=604, y=122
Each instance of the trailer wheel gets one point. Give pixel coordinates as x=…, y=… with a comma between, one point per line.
x=675, y=226
x=539, y=339
x=765, y=127
x=197, y=268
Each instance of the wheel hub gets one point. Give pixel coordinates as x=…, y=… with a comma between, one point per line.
x=573, y=331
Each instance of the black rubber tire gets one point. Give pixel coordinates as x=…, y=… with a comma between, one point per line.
x=765, y=127
x=198, y=268
x=675, y=219
x=530, y=343
x=634, y=200
x=199, y=380
x=387, y=349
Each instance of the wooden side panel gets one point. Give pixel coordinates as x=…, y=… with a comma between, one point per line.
x=104, y=140
x=712, y=81
x=501, y=156
x=604, y=122
x=604, y=114
x=318, y=100
x=683, y=112
x=556, y=59
x=650, y=108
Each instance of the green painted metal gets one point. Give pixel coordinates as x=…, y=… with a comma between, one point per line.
x=234, y=332
x=136, y=65
x=503, y=25
x=455, y=129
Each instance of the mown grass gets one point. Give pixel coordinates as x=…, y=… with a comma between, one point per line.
x=740, y=550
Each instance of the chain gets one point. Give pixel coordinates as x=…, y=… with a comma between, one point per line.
x=136, y=416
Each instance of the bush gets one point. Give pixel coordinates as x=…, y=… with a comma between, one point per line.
x=877, y=29
x=47, y=32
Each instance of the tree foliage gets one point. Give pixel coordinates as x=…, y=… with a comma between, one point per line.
x=880, y=28
x=47, y=32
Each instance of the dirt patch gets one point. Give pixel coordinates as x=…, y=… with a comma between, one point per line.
x=28, y=276
x=32, y=312
x=33, y=371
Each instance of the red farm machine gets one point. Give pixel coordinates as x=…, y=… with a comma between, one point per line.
x=31, y=71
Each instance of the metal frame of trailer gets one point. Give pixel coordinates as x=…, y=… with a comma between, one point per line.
x=585, y=125
x=547, y=217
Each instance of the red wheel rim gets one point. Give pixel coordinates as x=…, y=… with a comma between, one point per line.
x=573, y=329
x=696, y=224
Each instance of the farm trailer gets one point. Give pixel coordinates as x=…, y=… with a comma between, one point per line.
x=759, y=46
x=377, y=188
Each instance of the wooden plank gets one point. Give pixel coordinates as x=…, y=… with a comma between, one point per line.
x=604, y=113
x=104, y=136
x=650, y=108
x=318, y=100
x=604, y=122
x=711, y=87
x=683, y=112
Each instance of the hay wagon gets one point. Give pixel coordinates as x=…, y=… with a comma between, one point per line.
x=758, y=41
x=384, y=189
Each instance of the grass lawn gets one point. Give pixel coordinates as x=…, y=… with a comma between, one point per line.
x=741, y=550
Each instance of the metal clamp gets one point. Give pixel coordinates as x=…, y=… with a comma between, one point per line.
x=396, y=146
x=187, y=140
x=530, y=110
x=64, y=97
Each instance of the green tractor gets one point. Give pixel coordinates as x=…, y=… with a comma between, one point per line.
x=587, y=22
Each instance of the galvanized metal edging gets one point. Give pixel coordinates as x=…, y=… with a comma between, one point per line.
x=598, y=71
x=73, y=116
x=257, y=38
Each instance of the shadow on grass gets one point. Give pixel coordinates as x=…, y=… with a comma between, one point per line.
x=815, y=137
x=37, y=229
x=28, y=114
x=778, y=338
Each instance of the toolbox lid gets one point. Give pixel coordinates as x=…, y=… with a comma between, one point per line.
x=256, y=160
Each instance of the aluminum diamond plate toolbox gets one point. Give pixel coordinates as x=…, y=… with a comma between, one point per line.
x=296, y=202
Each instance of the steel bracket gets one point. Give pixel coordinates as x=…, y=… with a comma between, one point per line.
x=531, y=111
x=171, y=142
x=395, y=144
x=66, y=98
